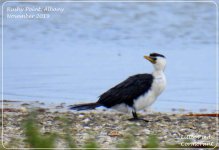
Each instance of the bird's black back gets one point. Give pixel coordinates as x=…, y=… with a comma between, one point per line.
x=127, y=91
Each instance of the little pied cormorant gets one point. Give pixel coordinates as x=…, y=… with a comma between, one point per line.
x=135, y=93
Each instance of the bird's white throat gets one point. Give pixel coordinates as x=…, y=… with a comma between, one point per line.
x=159, y=75
x=159, y=83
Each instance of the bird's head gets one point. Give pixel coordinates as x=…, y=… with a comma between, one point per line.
x=158, y=60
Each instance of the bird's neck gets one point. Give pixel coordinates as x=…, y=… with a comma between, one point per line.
x=158, y=73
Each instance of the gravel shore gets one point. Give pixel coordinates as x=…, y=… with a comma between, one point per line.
x=108, y=128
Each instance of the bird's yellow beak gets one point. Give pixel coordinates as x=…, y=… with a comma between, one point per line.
x=150, y=59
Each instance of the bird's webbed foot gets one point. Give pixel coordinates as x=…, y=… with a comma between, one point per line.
x=138, y=119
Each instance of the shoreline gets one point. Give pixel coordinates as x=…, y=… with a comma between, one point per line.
x=63, y=106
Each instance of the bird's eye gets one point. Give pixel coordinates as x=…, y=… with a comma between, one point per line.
x=154, y=58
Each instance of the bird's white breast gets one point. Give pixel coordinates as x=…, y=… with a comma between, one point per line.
x=158, y=85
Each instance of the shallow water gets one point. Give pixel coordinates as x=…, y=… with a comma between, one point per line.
x=76, y=55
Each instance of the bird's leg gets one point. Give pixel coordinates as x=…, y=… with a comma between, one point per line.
x=135, y=117
x=134, y=114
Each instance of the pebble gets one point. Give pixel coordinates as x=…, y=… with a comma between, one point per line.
x=114, y=133
x=107, y=131
x=23, y=109
x=146, y=131
x=86, y=120
x=25, y=104
x=80, y=116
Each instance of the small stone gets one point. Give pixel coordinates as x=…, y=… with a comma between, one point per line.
x=166, y=118
x=114, y=133
x=41, y=110
x=80, y=116
x=103, y=133
x=23, y=109
x=86, y=120
x=59, y=107
x=138, y=124
x=146, y=131
x=25, y=104
x=86, y=127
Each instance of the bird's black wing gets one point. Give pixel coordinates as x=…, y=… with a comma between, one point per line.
x=127, y=91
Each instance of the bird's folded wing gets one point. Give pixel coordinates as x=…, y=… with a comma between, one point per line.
x=127, y=91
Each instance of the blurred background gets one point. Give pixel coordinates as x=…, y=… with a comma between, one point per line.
x=76, y=55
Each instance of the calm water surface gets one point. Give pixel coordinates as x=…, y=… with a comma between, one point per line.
x=76, y=55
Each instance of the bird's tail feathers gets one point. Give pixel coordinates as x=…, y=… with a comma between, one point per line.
x=86, y=106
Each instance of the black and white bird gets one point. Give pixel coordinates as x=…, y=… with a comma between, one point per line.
x=135, y=93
